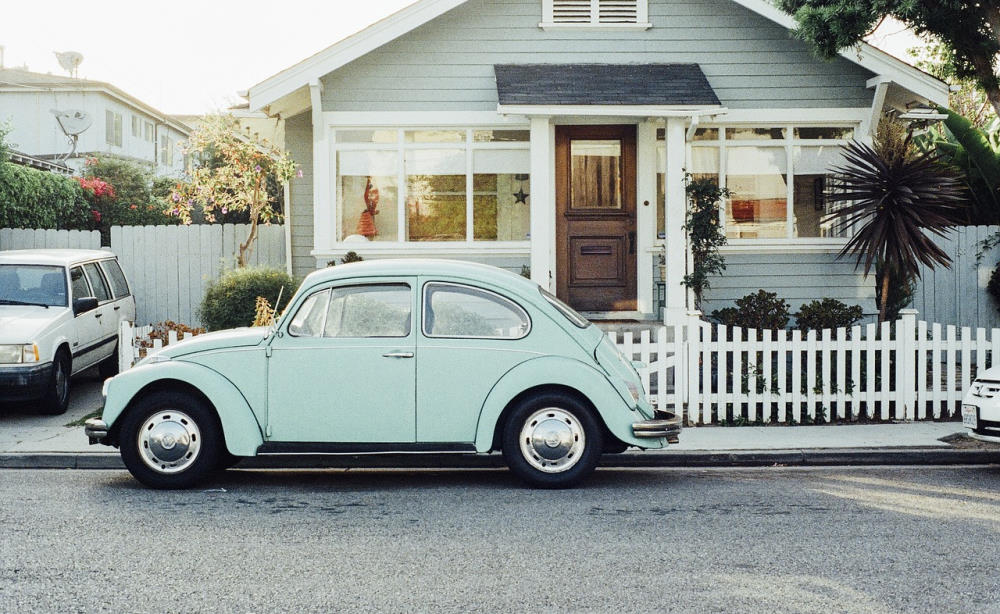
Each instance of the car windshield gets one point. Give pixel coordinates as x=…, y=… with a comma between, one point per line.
x=32, y=284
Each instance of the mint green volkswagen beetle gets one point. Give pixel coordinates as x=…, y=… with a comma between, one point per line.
x=390, y=356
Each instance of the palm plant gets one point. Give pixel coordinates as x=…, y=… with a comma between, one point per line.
x=896, y=204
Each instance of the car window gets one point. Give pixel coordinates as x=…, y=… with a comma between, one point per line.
x=78, y=283
x=568, y=312
x=114, y=274
x=308, y=320
x=97, y=283
x=32, y=283
x=452, y=310
x=377, y=310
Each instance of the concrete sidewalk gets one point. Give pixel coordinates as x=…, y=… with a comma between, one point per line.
x=30, y=440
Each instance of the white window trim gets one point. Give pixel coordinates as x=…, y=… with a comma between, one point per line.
x=468, y=246
x=641, y=22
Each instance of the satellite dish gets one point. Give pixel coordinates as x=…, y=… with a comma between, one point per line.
x=69, y=60
x=72, y=122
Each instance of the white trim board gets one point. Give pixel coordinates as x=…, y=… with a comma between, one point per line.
x=423, y=11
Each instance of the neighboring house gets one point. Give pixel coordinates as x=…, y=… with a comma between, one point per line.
x=122, y=125
x=556, y=134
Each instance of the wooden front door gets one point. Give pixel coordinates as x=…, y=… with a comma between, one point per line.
x=595, y=217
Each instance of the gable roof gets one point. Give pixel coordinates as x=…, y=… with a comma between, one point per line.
x=16, y=79
x=603, y=84
x=422, y=11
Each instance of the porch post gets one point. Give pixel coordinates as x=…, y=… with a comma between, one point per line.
x=675, y=302
x=323, y=231
x=645, y=219
x=543, y=203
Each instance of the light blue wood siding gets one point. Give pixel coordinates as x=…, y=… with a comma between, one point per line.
x=298, y=136
x=797, y=277
x=447, y=64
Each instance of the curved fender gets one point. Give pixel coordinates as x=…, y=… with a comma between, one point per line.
x=239, y=426
x=548, y=370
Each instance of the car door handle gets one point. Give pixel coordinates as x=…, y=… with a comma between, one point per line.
x=97, y=315
x=398, y=355
x=117, y=307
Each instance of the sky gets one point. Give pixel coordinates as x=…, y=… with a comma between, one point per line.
x=183, y=56
x=193, y=56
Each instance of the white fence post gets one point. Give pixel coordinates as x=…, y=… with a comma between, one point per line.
x=906, y=331
x=126, y=346
x=694, y=350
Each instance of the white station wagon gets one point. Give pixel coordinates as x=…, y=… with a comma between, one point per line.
x=60, y=311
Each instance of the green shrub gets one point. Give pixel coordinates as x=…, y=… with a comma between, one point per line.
x=827, y=313
x=993, y=287
x=761, y=310
x=231, y=301
x=31, y=198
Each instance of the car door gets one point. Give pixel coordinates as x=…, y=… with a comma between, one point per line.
x=105, y=312
x=87, y=325
x=344, y=368
x=124, y=301
x=470, y=337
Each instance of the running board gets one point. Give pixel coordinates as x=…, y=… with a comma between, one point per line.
x=273, y=448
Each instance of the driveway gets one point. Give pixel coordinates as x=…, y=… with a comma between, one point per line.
x=24, y=429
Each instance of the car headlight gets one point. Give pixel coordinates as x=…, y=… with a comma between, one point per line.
x=19, y=353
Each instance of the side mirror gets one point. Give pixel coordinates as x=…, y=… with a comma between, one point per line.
x=83, y=305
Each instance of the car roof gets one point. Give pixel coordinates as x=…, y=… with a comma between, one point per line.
x=473, y=271
x=52, y=256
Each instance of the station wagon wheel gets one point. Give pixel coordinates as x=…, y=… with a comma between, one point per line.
x=552, y=440
x=56, y=399
x=170, y=440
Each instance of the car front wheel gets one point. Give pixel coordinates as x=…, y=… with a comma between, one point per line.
x=56, y=399
x=552, y=441
x=170, y=440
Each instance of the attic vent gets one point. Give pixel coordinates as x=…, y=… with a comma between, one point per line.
x=606, y=13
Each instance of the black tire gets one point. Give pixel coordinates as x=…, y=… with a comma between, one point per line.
x=180, y=441
x=109, y=366
x=562, y=440
x=56, y=399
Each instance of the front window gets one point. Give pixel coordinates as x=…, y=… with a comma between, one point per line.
x=32, y=285
x=432, y=185
x=777, y=176
x=78, y=283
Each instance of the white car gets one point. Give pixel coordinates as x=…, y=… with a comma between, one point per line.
x=981, y=406
x=60, y=311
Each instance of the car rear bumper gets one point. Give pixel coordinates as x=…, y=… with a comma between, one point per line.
x=664, y=424
x=96, y=431
x=24, y=383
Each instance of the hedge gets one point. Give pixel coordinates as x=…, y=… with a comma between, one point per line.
x=31, y=198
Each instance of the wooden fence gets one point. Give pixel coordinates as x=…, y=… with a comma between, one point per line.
x=908, y=369
x=30, y=238
x=170, y=267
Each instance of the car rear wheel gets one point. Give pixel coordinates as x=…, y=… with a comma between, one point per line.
x=552, y=441
x=56, y=398
x=170, y=440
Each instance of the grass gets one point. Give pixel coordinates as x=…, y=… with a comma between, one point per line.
x=79, y=422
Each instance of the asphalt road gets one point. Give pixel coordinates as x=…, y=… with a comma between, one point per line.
x=683, y=540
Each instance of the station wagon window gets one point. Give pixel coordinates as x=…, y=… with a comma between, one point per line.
x=308, y=320
x=114, y=274
x=381, y=310
x=101, y=290
x=78, y=283
x=452, y=310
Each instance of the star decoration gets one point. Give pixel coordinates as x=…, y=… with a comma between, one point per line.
x=520, y=196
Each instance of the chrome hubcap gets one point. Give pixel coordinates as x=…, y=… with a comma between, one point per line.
x=169, y=441
x=552, y=440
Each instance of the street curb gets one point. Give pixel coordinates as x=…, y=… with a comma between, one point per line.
x=678, y=458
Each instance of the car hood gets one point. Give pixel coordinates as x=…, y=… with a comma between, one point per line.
x=237, y=337
x=23, y=323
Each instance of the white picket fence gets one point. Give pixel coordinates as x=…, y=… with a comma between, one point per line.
x=906, y=369
x=132, y=340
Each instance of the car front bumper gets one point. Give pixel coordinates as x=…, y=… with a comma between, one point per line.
x=96, y=431
x=663, y=424
x=24, y=383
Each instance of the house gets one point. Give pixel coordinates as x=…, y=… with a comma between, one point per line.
x=119, y=124
x=556, y=134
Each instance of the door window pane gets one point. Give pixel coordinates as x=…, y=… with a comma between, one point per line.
x=461, y=311
x=100, y=287
x=758, y=206
x=367, y=192
x=435, y=194
x=369, y=311
x=78, y=283
x=308, y=320
x=501, y=187
x=595, y=174
x=116, y=277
